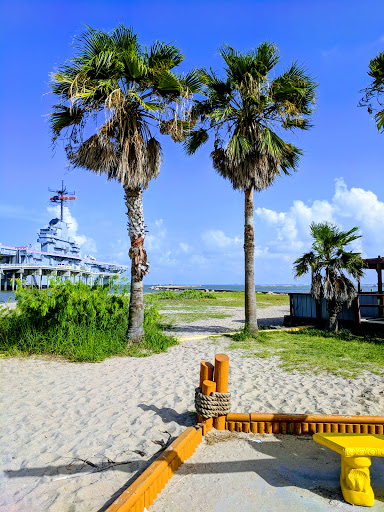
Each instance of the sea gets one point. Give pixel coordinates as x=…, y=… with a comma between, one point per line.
x=276, y=288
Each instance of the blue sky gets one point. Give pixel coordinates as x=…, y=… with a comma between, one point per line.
x=194, y=218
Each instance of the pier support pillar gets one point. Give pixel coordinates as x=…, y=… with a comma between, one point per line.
x=5, y=282
x=40, y=280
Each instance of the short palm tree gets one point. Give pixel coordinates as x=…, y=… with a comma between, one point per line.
x=128, y=92
x=328, y=261
x=244, y=110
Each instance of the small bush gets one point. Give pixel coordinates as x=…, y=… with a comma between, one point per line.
x=79, y=322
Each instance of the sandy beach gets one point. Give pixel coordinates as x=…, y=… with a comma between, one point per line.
x=75, y=434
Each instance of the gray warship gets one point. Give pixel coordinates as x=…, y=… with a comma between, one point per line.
x=59, y=255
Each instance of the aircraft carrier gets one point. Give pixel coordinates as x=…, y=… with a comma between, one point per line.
x=59, y=255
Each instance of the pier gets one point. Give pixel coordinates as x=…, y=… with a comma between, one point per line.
x=39, y=275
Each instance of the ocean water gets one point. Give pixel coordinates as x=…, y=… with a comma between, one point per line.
x=278, y=288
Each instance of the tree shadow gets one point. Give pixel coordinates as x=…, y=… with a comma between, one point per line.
x=169, y=415
x=317, y=470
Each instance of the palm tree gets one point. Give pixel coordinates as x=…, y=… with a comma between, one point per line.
x=328, y=261
x=243, y=110
x=128, y=91
x=375, y=90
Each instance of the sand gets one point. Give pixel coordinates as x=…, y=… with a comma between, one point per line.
x=59, y=418
x=264, y=473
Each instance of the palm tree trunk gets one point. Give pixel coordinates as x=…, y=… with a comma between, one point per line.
x=249, y=265
x=333, y=309
x=139, y=264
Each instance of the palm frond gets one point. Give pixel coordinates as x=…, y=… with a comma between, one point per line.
x=164, y=56
x=64, y=117
x=195, y=139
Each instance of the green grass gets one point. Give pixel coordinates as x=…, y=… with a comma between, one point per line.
x=198, y=305
x=317, y=351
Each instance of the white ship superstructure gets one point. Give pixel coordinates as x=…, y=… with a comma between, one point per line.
x=59, y=256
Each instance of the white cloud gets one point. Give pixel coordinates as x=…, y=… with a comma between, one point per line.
x=288, y=232
x=217, y=239
x=362, y=205
x=185, y=248
x=154, y=241
x=87, y=244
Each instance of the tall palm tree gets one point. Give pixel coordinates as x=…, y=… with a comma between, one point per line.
x=374, y=93
x=327, y=262
x=243, y=111
x=128, y=92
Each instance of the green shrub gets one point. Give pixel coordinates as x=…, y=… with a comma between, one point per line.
x=79, y=322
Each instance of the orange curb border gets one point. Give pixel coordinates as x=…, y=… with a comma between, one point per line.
x=306, y=424
x=144, y=490
x=148, y=485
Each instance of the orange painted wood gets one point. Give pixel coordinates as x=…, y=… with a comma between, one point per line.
x=234, y=416
x=342, y=428
x=297, y=428
x=253, y=427
x=364, y=429
x=239, y=426
x=349, y=429
x=276, y=427
x=208, y=387
x=379, y=429
x=356, y=429
x=304, y=428
x=316, y=418
x=327, y=427
x=320, y=427
x=283, y=427
x=334, y=427
x=145, y=488
x=221, y=379
x=246, y=427
x=312, y=428
x=231, y=426
x=206, y=373
x=268, y=427
x=261, y=427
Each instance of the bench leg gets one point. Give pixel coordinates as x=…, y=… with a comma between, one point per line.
x=355, y=481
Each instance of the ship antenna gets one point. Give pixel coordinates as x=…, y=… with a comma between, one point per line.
x=61, y=196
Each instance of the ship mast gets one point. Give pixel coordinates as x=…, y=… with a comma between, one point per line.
x=61, y=197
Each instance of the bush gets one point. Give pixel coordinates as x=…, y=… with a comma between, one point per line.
x=79, y=322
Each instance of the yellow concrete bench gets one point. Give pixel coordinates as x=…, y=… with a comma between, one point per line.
x=356, y=451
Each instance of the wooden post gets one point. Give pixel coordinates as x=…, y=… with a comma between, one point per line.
x=221, y=379
x=206, y=373
x=207, y=388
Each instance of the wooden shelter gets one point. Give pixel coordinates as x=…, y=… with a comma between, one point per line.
x=367, y=308
x=376, y=264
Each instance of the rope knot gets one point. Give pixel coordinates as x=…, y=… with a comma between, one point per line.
x=217, y=404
